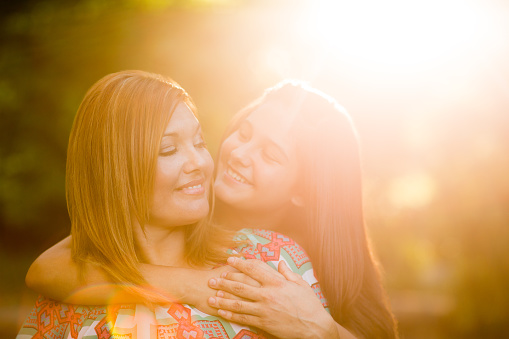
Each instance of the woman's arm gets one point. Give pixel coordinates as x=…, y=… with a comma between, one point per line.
x=55, y=275
x=285, y=305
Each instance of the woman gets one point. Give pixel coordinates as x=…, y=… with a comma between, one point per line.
x=138, y=183
x=326, y=216
x=290, y=162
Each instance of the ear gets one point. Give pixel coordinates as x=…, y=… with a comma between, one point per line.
x=297, y=201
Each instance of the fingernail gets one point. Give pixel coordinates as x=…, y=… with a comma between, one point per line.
x=230, y=260
x=222, y=313
x=212, y=282
x=212, y=300
x=223, y=275
x=220, y=294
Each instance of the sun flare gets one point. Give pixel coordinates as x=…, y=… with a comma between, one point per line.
x=398, y=33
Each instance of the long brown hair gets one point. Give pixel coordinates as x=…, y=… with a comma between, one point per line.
x=332, y=216
x=111, y=162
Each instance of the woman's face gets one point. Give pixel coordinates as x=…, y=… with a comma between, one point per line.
x=183, y=173
x=257, y=166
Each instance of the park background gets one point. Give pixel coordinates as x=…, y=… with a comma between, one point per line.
x=426, y=82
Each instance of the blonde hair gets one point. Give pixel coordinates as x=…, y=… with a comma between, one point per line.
x=111, y=162
x=332, y=217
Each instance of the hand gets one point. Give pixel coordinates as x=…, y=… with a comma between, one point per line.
x=235, y=276
x=198, y=291
x=284, y=305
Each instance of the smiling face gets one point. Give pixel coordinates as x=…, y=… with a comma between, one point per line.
x=183, y=173
x=257, y=167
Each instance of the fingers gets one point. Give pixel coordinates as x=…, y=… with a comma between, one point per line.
x=289, y=275
x=257, y=270
x=244, y=319
x=240, y=277
x=236, y=311
x=236, y=288
x=227, y=295
x=283, y=268
x=225, y=269
x=236, y=306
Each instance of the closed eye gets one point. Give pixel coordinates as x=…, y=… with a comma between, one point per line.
x=199, y=141
x=201, y=144
x=167, y=151
x=272, y=155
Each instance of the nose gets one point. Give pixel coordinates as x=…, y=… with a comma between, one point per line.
x=197, y=160
x=242, y=154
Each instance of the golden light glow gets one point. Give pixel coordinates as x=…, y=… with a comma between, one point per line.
x=273, y=59
x=413, y=190
x=398, y=33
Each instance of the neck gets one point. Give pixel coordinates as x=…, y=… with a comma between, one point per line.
x=236, y=219
x=161, y=245
x=277, y=221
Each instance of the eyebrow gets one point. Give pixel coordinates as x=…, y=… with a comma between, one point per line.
x=174, y=134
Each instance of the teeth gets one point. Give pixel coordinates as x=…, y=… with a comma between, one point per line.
x=235, y=176
x=197, y=186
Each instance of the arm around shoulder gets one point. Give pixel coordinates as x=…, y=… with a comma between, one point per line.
x=55, y=275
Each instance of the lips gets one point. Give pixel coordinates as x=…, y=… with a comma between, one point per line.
x=194, y=187
x=236, y=176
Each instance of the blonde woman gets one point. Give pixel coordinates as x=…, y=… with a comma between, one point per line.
x=289, y=162
x=138, y=184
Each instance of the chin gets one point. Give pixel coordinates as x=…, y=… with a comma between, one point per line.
x=201, y=212
x=194, y=213
x=235, y=202
x=225, y=194
x=193, y=219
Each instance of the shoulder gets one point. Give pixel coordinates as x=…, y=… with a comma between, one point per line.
x=272, y=247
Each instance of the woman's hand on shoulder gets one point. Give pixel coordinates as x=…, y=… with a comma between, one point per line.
x=283, y=305
x=198, y=292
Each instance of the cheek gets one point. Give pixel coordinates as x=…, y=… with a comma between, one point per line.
x=279, y=181
x=226, y=148
x=270, y=177
x=166, y=175
x=160, y=198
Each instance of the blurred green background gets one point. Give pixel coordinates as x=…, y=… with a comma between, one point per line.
x=426, y=82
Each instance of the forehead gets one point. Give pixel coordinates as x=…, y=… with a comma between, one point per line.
x=274, y=121
x=182, y=119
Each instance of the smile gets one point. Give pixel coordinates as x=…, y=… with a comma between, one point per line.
x=236, y=176
x=192, y=188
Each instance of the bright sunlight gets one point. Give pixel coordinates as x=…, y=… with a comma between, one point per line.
x=396, y=34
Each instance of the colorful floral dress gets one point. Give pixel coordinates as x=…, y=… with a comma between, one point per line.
x=52, y=319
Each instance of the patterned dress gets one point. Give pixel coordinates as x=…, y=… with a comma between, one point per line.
x=52, y=319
